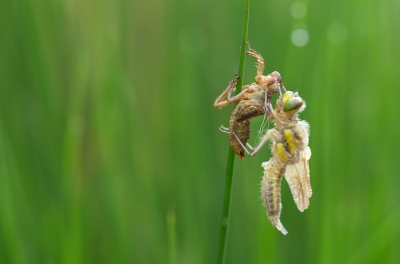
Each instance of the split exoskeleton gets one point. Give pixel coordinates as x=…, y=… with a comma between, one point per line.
x=290, y=151
x=253, y=101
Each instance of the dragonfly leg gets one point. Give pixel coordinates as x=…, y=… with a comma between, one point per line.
x=240, y=142
x=273, y=134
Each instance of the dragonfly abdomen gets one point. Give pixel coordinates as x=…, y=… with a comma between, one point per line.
x=271, y=191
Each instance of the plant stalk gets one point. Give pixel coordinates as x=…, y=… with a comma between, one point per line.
x=231, y=154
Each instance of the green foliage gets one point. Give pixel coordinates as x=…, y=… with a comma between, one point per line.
x=109, y=144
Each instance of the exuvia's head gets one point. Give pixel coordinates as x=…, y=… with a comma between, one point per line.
x=292, y=102
x=272, y=82
x=277, y=77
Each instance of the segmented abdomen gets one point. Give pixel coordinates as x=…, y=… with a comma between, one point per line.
x=240, y=125
x=242, y=131
x=271, y=191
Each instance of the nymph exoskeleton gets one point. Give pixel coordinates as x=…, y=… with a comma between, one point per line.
x=253, y=101
x=290, y=156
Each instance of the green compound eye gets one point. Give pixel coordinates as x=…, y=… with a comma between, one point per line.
x=291, y=103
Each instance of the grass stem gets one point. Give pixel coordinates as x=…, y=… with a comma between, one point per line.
x=231, y=155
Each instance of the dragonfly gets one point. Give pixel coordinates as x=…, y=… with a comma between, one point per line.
x=290, y=157
x=252, y=101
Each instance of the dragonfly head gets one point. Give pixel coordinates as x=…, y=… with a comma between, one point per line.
x=292, y=102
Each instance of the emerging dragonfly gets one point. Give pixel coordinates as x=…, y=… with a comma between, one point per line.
x=290, y=156
x=253, y=101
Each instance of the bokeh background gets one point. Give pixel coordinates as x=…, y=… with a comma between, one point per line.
x=109, y=145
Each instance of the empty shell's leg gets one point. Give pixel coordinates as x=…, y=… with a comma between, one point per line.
x=224, y=129
x=260, y=60
x=225, y=98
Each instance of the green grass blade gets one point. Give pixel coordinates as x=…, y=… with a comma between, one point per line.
x=231, y=155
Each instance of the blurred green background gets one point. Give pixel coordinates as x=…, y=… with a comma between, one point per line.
x=109, y=145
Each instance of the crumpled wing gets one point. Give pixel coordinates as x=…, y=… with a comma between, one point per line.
x=298, y=177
